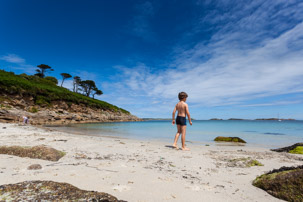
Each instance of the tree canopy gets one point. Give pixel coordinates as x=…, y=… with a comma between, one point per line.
x=42, y=70
x=87, y=86
x=65, y=76
x=97, y=92
x=76, y=83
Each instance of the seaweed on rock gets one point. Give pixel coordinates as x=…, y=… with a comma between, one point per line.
x=229, y=139
x=36, y=152
x=285, y=183
x=295, y=149
x=50, y=191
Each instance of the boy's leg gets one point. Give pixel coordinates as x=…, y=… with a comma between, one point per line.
x=183, y=130
x=177, y=136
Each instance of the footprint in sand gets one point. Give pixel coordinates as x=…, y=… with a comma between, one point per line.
x=121, y=188
x=193, y=187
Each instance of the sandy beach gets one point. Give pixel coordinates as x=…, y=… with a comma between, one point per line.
x=136, y=170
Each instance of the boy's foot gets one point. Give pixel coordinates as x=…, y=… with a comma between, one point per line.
x=175, y=146
x=185, y=149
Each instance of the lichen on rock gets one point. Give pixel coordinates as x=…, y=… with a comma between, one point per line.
x=36, y=152
x=285, y=183
x=229, y=139
x=50, y=191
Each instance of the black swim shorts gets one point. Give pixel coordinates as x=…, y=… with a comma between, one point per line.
x=180, y=120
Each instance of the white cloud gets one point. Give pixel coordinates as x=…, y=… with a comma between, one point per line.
x=28, y=69
x=237, y=64
x=12, y=58
x=272, y=104
x=18, y=63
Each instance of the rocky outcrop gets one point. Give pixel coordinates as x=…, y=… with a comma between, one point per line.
x=285, y=183
x=50, y=191
x=13, y=109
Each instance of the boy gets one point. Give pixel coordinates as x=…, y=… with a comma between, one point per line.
x=182, y=109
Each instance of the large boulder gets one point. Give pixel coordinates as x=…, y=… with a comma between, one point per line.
x=285, y=183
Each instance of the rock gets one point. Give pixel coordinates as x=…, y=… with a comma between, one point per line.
x=6, y=116
x=229, y=139
x=60, y=111
x=34, y=167
x=243, y=162
x=52, y=114
x=20, y=103
x=78, y=118
x=3, y=112
x=50, y=191
x=36, y=152
x=295, y=149
x=285, y=183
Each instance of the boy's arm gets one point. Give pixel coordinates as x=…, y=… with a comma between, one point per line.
x=188, y=115
x=174, y=112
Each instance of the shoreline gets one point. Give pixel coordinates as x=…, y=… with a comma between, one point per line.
x=143, y=138
x=141, y=170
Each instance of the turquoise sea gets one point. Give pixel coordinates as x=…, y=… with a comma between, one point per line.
x=268, y=134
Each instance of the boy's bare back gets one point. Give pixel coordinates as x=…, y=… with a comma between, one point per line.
x=182, y=108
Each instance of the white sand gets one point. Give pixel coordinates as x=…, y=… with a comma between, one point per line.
x=136, y=170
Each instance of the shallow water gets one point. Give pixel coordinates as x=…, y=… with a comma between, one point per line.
x=269, y=134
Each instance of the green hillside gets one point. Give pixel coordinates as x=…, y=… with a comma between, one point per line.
x=45, y=91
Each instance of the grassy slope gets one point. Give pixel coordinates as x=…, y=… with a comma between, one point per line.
x=45, y=92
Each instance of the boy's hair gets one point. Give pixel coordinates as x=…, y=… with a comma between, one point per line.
x=182, y=95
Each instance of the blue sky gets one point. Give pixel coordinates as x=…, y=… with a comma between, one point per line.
x=240, y=59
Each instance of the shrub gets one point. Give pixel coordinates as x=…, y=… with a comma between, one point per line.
x=52, y=79
x=42, y=101
x=33, y=110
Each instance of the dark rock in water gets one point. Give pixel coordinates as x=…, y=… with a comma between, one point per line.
x=229, y=139
x=273, y=133
x=50, y=191
x=288, y=149
x=285, y=183
x=36, y=152
x=34, y=167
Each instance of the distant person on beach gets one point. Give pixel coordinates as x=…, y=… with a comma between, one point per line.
x=25, y=120
x=182, y=109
